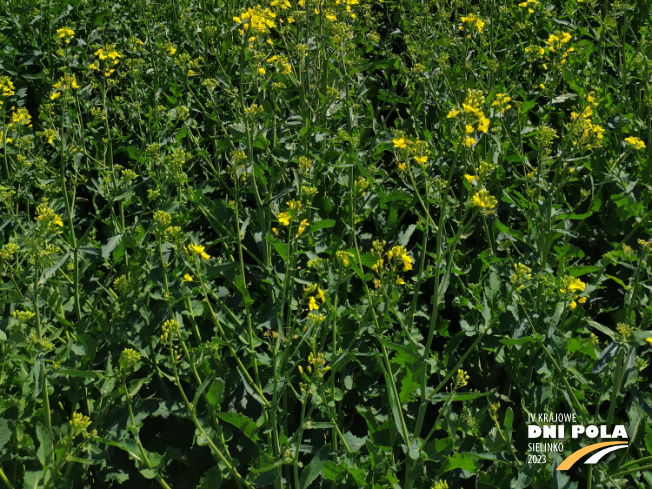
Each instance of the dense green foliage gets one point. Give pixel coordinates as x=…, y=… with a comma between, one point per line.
x=322, y=243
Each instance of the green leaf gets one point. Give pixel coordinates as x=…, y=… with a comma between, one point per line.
x=314, y=468
x=108, y=248
x=242, y=422
x=601, y=328
x=5, y=432
x=211, y=479
x=32, y=478
x=333, y=472
x=606, y=357
x=460, y=461
x=181, y=134
x=527, y=106
x=51, y=270
x=215, y=392
x=44, y=452
x=148, y=473
x=86, y=374
x=326, y=223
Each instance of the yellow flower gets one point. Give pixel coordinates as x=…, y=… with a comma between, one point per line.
x=483, y=200
x=471, y=178
x=187, y=278
x=483, y=124
x=284, y=218
x=261, y=70
x=50, y=134
x=468, y=142
x=399, y=143
x=636, y=143
x=198, y=250
x=302, y=226
x=572, y=284
x=421, y=159
x=322, y=296
x=55, y=95
x=6, y=87
x=572, y=305
x=452, y=113
x=171, y=51
x=649, y=340
x=407, y=262
x=275, y=231
x=469, y=129
x=401, y=166
x=312, y=304
x=400, y=281
x=66, y=34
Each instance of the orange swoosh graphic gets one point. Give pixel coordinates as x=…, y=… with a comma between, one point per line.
x=575, y=456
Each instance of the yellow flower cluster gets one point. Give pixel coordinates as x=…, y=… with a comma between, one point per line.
x=282, y=4
x=129, y=358
x=474, y=114
x=344, y=257
x=584, y=131
x=170, y=327
x=411, y=149
x=302, y=227
x=66, y=34
x=483, y=171
x=635, y=142
x=294, y=207
x=462, y=378
x=21, y=117
x=256, y=19
x=502, y=102
x=78, y=424
x=473, y=20
x=316, y=362
x=522, y=273
x=281, y=63
x=7, y=251
x=572, y=285
x=23, y=316
x=484, y=201
x=49, y=219
x=66, y=82
x=395, y=257
x=50, y=134
x=109, y=57
x=400, y=253
x=6, y=88
x=528, y=5
x=440, y=484
x=557, y=40
x=194, y=250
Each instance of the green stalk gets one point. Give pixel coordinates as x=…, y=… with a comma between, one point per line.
x=240, y=481
x=141, y=448
x=250, y=330
x=69, y=211
x=44, y=381
x=5, y=480
x=295, y=462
